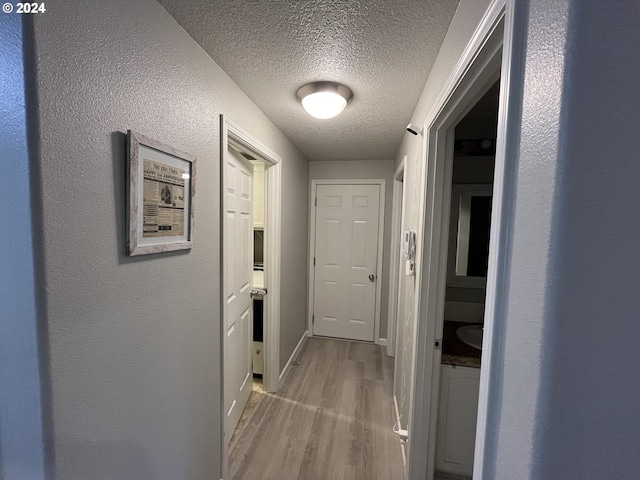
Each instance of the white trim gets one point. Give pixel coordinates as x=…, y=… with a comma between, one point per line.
x=474, y=70
x=399, y=425
x=504, y=194
x=296, y=350
x=397, y=410
x=312, y=245
x=395, y=261
x=232, y=134
x=273, y=232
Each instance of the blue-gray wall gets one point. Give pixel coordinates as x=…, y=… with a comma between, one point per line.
x=565, y=390
x=21, y=445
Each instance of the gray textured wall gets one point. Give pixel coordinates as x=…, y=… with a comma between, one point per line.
x=565, y=396
x=464, y=23
x=134, y=342
x=322, y=170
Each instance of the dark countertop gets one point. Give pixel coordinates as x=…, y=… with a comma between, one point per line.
x=454, y=350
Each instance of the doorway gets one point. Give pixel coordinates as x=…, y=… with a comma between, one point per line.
x=346, y=244
x=238, y=150
x=465, y=290
x=479, y=67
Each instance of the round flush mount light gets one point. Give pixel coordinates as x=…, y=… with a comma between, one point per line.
x=324, y=99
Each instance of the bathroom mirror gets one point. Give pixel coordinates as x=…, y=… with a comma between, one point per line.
x=469, y=230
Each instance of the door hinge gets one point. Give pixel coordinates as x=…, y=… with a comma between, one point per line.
x=438, y=343
x=316, y=202
x=313, y=319
x=314, y=261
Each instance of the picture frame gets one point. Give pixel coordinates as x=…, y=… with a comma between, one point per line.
x=161, y=196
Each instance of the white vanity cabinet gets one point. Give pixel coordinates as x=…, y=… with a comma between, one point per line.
x=458, y=411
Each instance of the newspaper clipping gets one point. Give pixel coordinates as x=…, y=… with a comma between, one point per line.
x=163, y=192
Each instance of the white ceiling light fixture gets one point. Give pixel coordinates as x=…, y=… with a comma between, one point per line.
x=324, y=99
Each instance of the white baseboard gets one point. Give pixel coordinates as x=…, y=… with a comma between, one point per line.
x=382, y=342
x=296, y=350
x=395, y=404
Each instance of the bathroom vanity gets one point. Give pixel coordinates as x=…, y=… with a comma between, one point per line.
x=458, y=405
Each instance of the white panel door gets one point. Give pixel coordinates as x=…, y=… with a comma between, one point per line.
x=238, y=273
x=346, y=254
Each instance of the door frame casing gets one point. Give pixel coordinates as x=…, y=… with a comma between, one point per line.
x=312, y=246
x=474, y=69
x=232, y=134
x=397, y=223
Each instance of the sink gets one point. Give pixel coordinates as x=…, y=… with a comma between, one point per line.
x=471, y=335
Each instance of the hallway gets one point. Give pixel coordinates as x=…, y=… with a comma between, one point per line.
x=331, y=420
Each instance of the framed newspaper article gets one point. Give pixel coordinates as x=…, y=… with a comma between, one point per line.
x=161, y=196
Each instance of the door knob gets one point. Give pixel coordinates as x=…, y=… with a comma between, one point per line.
x=372, y=278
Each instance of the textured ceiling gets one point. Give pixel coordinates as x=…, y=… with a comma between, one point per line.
x=382, y=49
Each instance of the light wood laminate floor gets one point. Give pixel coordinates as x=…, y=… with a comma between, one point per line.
x=331, y=420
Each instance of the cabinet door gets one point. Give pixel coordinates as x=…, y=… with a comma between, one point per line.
x=458, y=411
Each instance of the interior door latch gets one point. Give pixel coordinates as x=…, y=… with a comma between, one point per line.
x=258, y=292
x=372, y=278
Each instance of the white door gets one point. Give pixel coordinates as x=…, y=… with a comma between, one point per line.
x=238, y=271
x=346, y=254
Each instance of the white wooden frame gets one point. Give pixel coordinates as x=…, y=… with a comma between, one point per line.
x=395, y=263
x=232, y=134
x=478, y=67
x=139, y=148
x=312, y=245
